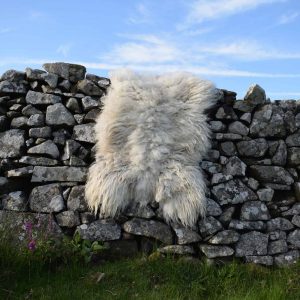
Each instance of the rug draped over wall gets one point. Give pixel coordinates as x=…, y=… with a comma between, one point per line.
x=151, y=136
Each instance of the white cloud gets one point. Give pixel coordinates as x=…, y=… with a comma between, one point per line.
x=143, y=49
x=141, y=15
x=247, y=50
x=64, y=49
x=288, y=18
x=205, y=10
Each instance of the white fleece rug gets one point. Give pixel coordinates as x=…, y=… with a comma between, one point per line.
x=151, y=136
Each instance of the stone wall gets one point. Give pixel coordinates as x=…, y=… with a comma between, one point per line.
x=46, y=146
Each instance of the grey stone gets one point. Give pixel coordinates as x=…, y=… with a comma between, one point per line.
x=276, y=186
x=238, y=127
x=252, y=243
x=72, y=72
x=246, y=225
x=254, y=211
x=19, y=122
x=212, y=155
x=46, y=198
x=16, y=107
x=265, y=194
x=228, y=137
x=293, y=238
x=287, y=259
x=253, y=148
x=20, y=172
x=185, y=235
x=280, y=155
x=100, y=230
x=177, y=250
x=38, y=161
x=216, y=251
x=276, y=247
x=290, y=121
x=293, y=140
x=219, y=178
x=268, y=121
x=226, y=113
x=12, y=143
x=135, y=210
x=225, y=237
x=266, y=260
x=149, y=228
x=209, y=226
x=246, y=117
x=279, y=224
x=71, y=147
x=65, y=84
x=277, y=235
x=243, y=106
x=84, y=133
x=34, y=74
x=271, y=174
x=10, y=87
x=89, y=103
x=72, y=105
x=42, y=132
x=50, y=78
x=212, y=208
x=36, y=120
x=46, y=174
x=79, y=118
x=210, y=167
x=58, y=114
x=13, y=75
x=217, y=126
x=89, y=88
x=92, y=115
x=235, y=167
x=232, y=192
x=255, y=95
x=68, y=218
x=253, y=184
x=41, y=98
x=295, y=210
x=293, y=156
x=47, y=148
x=29, y=110
x=16, y=201
x=76, y=199
x=226, y=215
x=296, y=220
x=228, y=148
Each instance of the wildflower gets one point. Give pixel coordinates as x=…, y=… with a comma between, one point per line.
x=28, y=226
x=31, y=245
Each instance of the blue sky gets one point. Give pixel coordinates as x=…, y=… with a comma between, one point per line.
x=234, y=43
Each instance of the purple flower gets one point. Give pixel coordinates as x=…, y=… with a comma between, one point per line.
x=31, y=245
x=28, y=226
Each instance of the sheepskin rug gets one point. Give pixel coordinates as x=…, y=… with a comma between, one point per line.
x=151, y=136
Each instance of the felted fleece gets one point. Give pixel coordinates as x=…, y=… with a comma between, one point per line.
x=151, y=136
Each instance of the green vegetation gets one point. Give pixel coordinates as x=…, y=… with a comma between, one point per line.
x=26, y=276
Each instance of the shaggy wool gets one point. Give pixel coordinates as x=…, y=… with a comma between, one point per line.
x=151, y=136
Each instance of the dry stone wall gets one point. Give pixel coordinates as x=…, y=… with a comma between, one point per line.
x=252, y=171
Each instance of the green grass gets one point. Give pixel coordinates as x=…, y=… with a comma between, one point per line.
x=143, y=278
